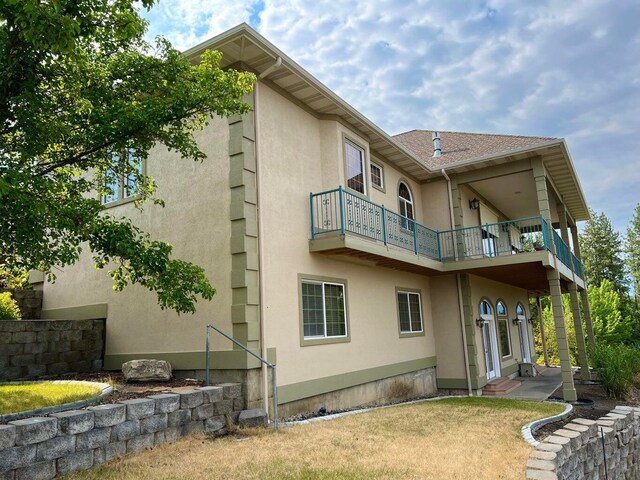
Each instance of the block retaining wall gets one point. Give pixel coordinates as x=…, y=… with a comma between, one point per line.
x=575, y=451
x=41, y=448
x=29, y=301
x=39, y=348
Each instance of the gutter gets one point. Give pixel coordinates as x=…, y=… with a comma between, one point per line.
x=467, y=371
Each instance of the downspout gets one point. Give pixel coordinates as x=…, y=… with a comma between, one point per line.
x=459, y=286
x=262, y=308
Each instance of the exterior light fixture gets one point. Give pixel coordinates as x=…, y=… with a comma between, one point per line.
x=474, y=204
x=480, y=322
x=516, y=321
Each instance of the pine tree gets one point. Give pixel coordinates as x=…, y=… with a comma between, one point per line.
x=633, y=251
x=601, y=249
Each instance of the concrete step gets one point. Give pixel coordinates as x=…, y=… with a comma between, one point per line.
x=502, y=389
x=496, y=383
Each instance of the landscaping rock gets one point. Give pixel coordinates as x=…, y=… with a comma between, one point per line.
x=255, y=417
x=146, y=370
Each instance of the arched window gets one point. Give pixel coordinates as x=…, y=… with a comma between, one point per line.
x=485, y=308
x=406, y=201
x=503, y=329
x=520, y=310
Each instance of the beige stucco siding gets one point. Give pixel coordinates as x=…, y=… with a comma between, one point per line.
x=196, y=222
x=435, y=205
x=482, y=288
x=445, y=312
x=294, y=151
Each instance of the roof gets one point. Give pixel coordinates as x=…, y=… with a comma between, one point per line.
x=460, y=146
x=411, y=152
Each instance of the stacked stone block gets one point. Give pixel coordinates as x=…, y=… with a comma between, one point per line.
x=38, y=348
x=29, y=301
x=576, y=451
x=61, y=443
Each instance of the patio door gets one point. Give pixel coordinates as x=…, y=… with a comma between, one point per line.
x=490, y=340
x=523, y=329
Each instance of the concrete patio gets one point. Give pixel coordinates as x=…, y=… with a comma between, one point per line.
x=537, y=388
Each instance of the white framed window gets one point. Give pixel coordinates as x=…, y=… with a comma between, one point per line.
x=409, y=312
x=377, y=176
x=355, y=167
x=406, y=201
x=324, y=312
x=121, y=187
x=503, y=329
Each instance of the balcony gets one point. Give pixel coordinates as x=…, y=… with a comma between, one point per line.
x=339, y=212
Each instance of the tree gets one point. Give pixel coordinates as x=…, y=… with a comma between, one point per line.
x=83, y=97
x=609, y=325
x=601, y=250
x=633, y=251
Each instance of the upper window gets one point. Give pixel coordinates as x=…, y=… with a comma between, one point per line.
x=409, y=312
x=406, y=201
x=121, y=186
x=503, y=330
x=377, y=176
x=323, y=310
x=354, y=157
x=485, y=308
x=520, y=311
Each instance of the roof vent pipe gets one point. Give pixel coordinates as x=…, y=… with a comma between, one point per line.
x=437, y=151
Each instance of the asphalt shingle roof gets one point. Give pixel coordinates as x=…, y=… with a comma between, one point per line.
x=460, y=146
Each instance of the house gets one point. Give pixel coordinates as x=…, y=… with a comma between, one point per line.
x=365, y=266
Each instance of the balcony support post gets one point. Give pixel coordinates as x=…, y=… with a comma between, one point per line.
x=543, y=336
x=583, y=293
x=568, y=387
x=540, y=177
x=577, y=323
x=564, y=230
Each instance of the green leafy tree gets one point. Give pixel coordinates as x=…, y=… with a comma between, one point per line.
x=83, y=97
x=609, y=325
x=633, y=251
x=8, y=307
x=550, y=333
x=601, y=250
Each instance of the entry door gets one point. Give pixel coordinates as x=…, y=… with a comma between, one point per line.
x=492, y=358
x=524, y=338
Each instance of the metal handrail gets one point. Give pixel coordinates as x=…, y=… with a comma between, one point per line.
x=265, y=362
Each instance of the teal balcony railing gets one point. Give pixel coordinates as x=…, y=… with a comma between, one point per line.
x=341, y=211
x=497, y=239
x=562, y=250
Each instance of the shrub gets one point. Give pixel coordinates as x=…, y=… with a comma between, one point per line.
x=8, y=307
x=617, y=365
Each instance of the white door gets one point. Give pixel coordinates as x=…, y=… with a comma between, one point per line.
x=490, y=341
x=523, y=328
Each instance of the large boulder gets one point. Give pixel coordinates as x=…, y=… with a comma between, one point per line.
x=146, y=370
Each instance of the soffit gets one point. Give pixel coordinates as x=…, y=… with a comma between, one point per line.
x=244, y=45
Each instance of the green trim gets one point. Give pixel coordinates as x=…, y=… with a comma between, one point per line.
x=510, y=369
x=80, y=312
x=402, y=334
x=222, y=360
x=458, y=383
x=318, y=386
x=322, y=341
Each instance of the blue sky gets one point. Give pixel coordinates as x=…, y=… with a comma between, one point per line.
x=547, y=68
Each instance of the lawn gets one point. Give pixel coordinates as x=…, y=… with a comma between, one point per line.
x=454, y=438
x=16, y=398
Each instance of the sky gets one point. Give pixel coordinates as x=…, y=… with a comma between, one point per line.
x=561, y=68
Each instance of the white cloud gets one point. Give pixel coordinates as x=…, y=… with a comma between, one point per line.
x=553, y=68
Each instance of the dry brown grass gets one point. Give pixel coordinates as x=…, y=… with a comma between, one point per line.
x=449, y=439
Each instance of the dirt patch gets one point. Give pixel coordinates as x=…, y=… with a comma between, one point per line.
x=602, y=405
x=128, y=391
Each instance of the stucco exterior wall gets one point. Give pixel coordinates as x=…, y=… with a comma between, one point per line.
x=435, y=205
x=196, y=222
x=288, y=171
x=482, y=288
x=445, y=311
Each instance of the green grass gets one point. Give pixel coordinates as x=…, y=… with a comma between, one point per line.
x=31, y=396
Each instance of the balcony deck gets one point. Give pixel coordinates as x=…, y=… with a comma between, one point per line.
x=518, y=252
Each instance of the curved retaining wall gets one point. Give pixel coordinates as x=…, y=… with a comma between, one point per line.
x=41, y=448
x=576, y=450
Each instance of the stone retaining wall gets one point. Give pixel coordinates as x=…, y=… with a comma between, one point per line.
x=39, y=348
x=42, y=448
x=575, y=451
x=29, y=301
